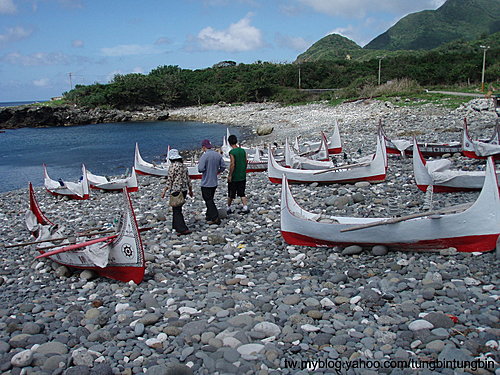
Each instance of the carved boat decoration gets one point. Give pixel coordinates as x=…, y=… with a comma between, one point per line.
x=118, y=256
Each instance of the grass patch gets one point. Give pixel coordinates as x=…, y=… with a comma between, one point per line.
x=50, y=103
x=421, y=99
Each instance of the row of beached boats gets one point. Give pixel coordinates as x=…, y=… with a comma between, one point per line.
x=470, y=227
x=257, y=162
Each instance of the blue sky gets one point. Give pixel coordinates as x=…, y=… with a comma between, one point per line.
x=44, y=43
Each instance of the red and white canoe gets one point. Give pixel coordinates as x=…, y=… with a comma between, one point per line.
x=475, y=229
x=405, y=147
x=159, y=170
x=116, y=184
x=256, y=162
x=334, y=143
x=372, y=170
x=119, y=256
x=320, y=153
x=481, y=149
x=437, y=173
x=292, y=160
x=73, y=190
x=143, y=167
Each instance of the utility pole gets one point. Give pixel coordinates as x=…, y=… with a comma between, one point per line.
x=485, y=48
x=299, y=78
x=70, y=81
x=379, y=67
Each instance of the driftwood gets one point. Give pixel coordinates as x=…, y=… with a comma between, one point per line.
x=446, y=210
x=84, y=234
x=343, y=167
x=86, y=242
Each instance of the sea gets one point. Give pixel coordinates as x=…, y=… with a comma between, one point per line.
x=105, y=149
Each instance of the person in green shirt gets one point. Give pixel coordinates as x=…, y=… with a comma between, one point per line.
x=236, y=179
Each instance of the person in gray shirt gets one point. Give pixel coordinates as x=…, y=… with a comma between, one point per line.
x=210, y=165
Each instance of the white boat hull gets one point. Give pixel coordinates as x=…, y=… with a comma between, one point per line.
x=102, y=183
x=73, y=190
x=475, y=229
x=119, y=257
x=375, y=170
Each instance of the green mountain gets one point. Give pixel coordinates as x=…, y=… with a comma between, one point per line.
x=331, y=47
x=455, y=19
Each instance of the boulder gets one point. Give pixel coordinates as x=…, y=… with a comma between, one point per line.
x=264, y=129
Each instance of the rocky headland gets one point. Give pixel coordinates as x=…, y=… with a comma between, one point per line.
x=67, y=115
x=235, y=298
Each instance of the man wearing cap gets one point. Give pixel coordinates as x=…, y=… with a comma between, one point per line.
x=210, y=165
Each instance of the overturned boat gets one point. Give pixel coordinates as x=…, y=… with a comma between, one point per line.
x=73, y=190
x=118, y=256
x=469, y=228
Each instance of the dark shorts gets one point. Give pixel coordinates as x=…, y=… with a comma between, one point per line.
x=236, y=187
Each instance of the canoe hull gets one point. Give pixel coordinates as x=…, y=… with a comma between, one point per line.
x=121, y=255
x=475, y=229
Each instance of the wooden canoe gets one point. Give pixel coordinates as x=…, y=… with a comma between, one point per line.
x=437, y=173
x=476, y=229
x=428, y=149
x=115, y=184
x=374, y=170
x=119, y=256
x=73, y=190
x=481, y=149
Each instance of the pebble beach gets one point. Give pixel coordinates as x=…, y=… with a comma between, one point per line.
x=235, y=298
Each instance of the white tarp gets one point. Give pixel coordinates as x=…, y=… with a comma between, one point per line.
x=98, y=254
x=486, y=149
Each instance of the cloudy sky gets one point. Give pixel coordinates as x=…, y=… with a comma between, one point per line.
x=48, y=46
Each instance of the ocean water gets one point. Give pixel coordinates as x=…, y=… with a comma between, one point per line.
x=14, y=104
x=105, y=149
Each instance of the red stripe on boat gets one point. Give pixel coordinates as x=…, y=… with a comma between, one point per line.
x=481, y=243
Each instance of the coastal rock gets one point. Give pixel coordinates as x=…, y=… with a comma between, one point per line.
x=264, y=130
x=67, y=115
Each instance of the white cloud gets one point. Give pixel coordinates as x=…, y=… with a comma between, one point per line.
x=111, y=75
x=7, y=7
x=42, y=82
x=77, y=43
x=239, y=36
x=14, y=34
x=163, y=40
x=36, y=59
x=359, y=8
x=295, y=43
x=129, y=50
